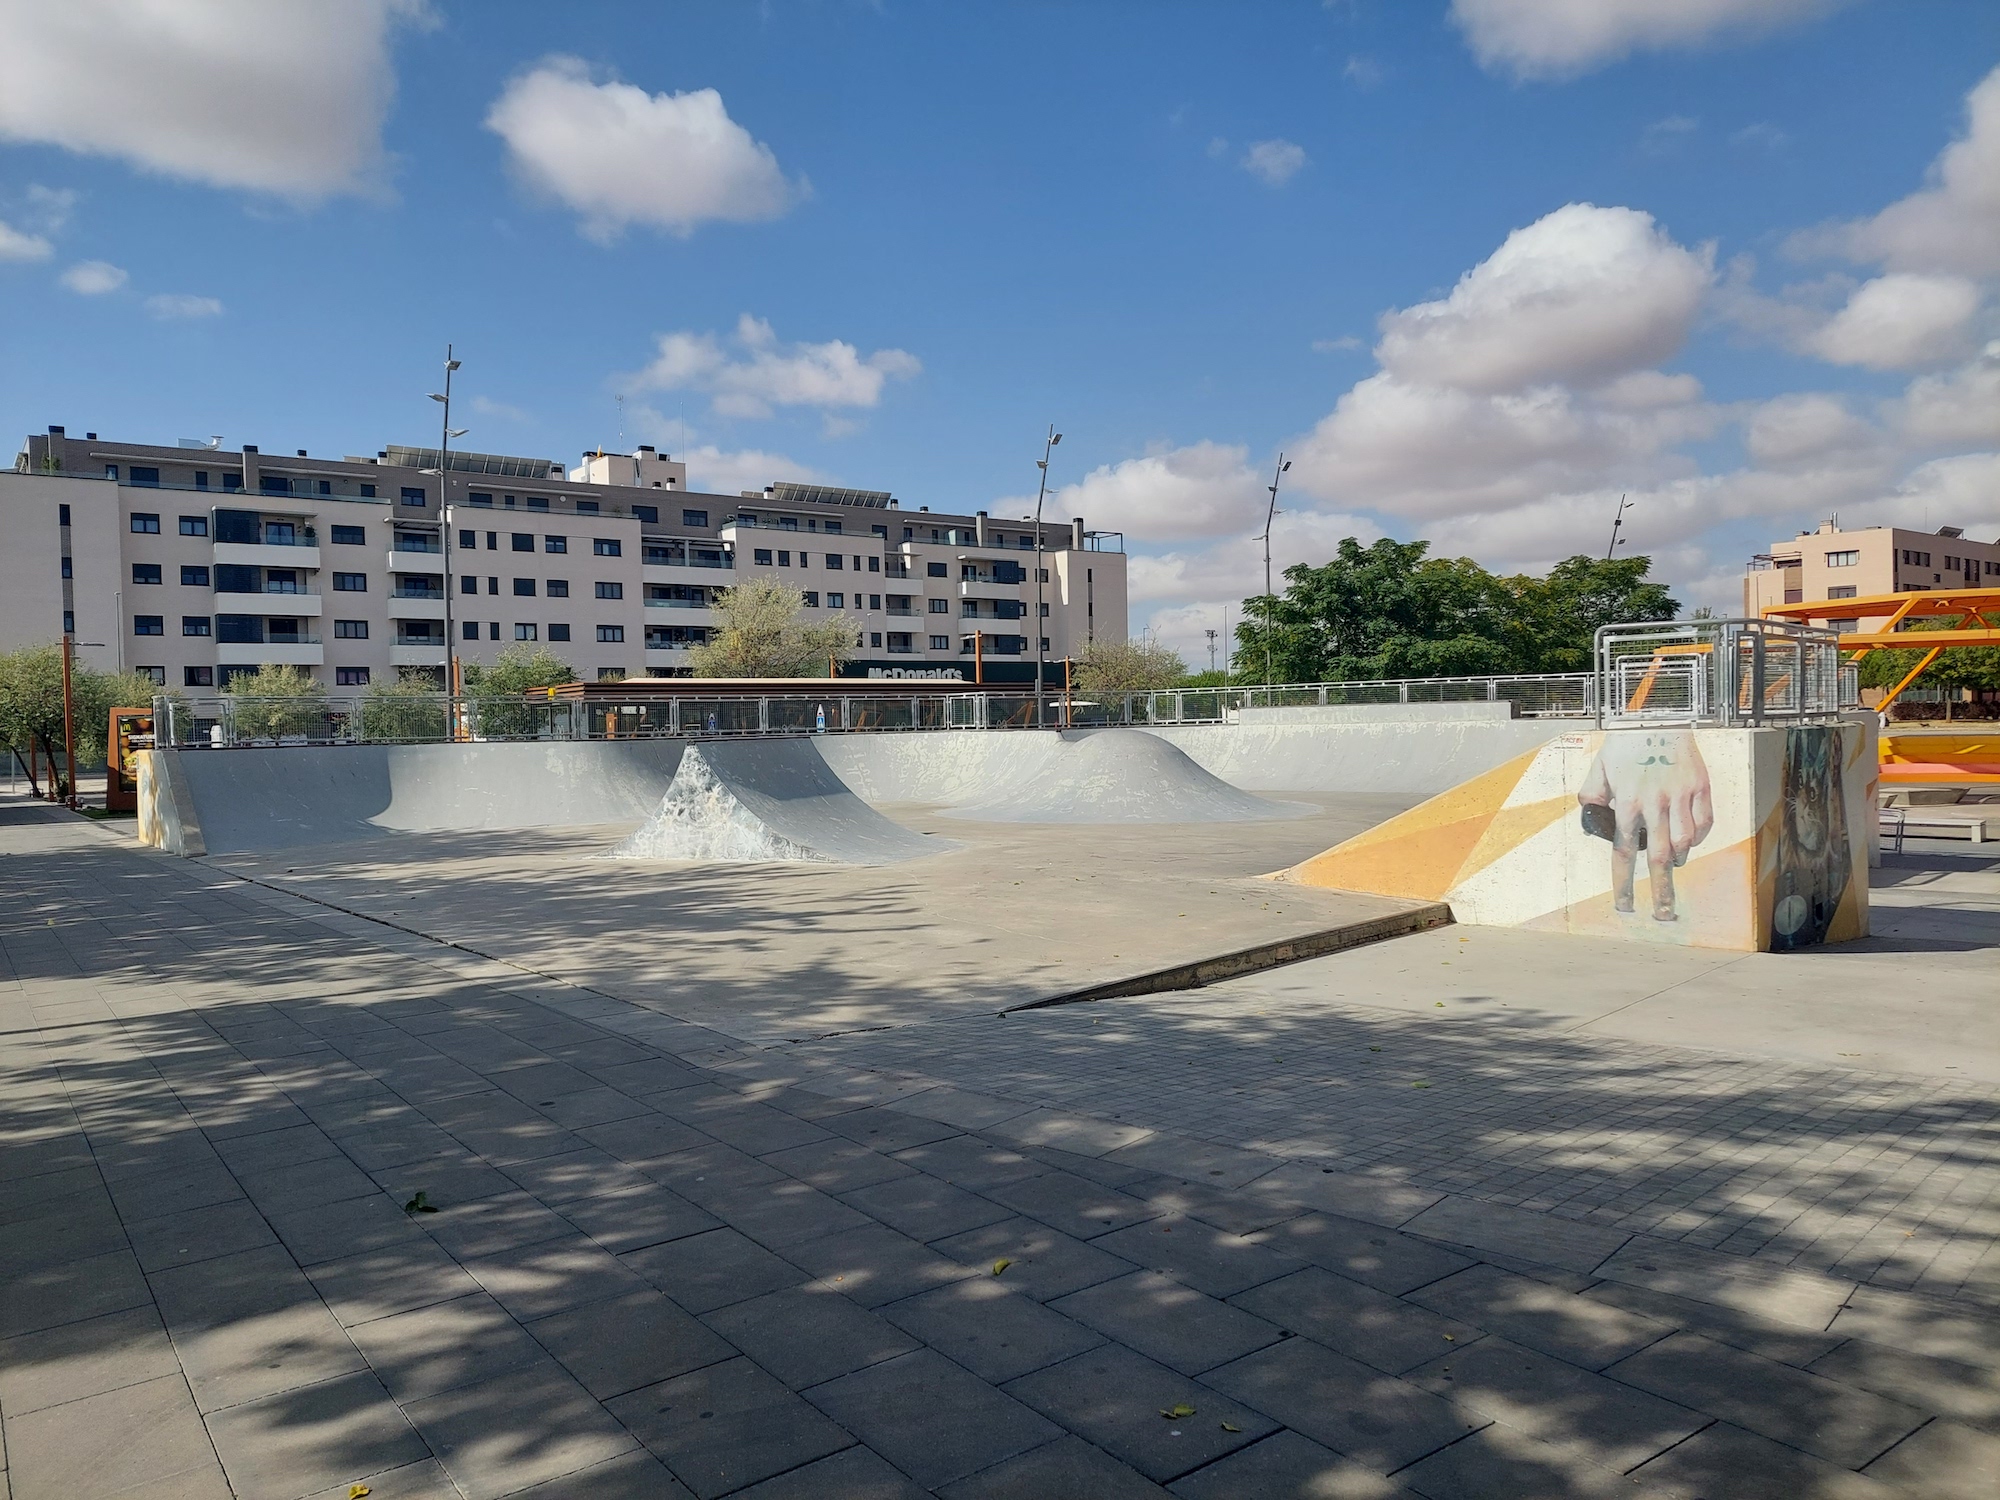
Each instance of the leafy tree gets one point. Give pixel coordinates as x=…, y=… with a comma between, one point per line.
x=31, y=705
x=1556, y=617
x=1142, y=666
x=410, y=708
x=763, y=634
x=496, y=690
x=275, y=701
x=1976, y=667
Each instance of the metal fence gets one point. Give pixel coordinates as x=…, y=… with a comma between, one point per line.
x=1739, y=671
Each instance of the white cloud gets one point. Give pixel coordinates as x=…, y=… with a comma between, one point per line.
x=279, y=96
x=93, y=278
x=1218, y=147
x=766, y=373
x=45, y=209
x=1582, y=294
x=1951, y=226
x=1345, y=342
x=17, y=244
x=1899, y=321
x=179, y=305
x=1562, y=38
x=1806, y=430
x=500, y=411
x=1204, y=489
x=621, y=156
x=1362, y=71
x=1274, y=163
x=1953, y=409
x=730, y=473
x=1662, y=136
x=1232, y=567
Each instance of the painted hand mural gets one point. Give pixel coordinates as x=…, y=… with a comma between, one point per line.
x=1648, y=790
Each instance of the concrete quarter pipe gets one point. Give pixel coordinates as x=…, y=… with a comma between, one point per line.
x=1124, y=776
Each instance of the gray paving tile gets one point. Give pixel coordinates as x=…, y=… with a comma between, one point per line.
x=383, y=1283
x=930, y=1418
x=1084, y=1134
x=853, y=1474
x=1583, y=1331
x=783, y=1213
x=1943, y=1461
x=313, y=1235
x=994, y=1331
x=1368, y=1253
x=1287, y=1466
x=1041, y=1261
x=1949, y=1387
x=1373, y=1418
x=925, y=1207
x=709, y=1171
x=61, y=1233
x=1836, y=1422
x=1800, y=1299
x=1067, y=1469
x=290, y=1147
x=971, y=1162
x=727, y=1426
x=424, y=1480
x=313, y=1438
x=888, y=1128
x=1727, y=1461
x=83, y=1359
x=549, y=1276
x=632, y=1476
x=838, y=1165
x=22, y=1197
x=1358, y=1321
x=147, y=1195
x=447, y=1345
x=810, y=1334
x=1500, y=1463
x=1387, y=1200
x=1169, y=1321
x=623, y=1343
x=1739, y=1330
x=558, y=1180
x=447, y=1182
x=1119, y=1401
x=593, y=1106
x=705, y=1271
x=962, y=1108
x=491, y=1225
x=311, y=1184
x=1073, y=1204
x=752, y=1127
x=142, y=1439
x=874, y=1264
x=70, y=1292
x=198, y=1234
x=516, y=1431
x=1208, y=1259
x=1515, y=1231
x=1921, y=1324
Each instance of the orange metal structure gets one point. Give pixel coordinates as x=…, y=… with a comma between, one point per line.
x=1975, y=610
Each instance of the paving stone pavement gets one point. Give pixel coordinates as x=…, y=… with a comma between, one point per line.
x=291, y=1201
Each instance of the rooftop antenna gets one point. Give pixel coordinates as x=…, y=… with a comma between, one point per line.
x=1617, y=522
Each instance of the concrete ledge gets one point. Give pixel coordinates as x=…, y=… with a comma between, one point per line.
x=1207, y=971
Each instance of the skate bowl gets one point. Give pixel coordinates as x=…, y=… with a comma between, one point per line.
x=1123, y=776
x=768, y=801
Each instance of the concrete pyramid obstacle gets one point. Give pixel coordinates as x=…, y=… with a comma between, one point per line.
x=1124, y=776
x=765, y=802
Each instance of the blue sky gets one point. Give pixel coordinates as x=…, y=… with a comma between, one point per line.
x=1478, y=266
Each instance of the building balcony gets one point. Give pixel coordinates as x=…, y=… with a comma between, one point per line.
x=414, y=560
x=403, y=607
x=307, y=605
x=702, y=604
x=267, y=554
x=300, y=651
x=416, y=654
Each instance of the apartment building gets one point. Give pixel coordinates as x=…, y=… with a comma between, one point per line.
x=194, y=564
x=1834, y=564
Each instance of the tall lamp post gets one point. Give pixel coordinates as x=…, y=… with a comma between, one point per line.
x=1617, y=524
x=1041, y=573
x=70, y=643
x=1269, y=517
x=447, y=433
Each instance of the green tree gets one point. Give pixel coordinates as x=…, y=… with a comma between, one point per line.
x=1976, y=667
x=410, y=708
x=499, y=707
x=763, y=633
x=1143, y=666
x=31, y=705
x=1556, y=618
x=275, y=701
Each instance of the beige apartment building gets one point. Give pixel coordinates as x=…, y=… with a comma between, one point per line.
x=193, y=564
x=1833, y=565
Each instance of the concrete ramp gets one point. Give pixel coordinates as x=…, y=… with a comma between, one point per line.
x=769, y=801
x=1124, y=776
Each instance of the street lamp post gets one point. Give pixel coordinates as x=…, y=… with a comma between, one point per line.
x=69, y=644
x=1617, y=524
x=447, y=433
x=1041, y=574
x=1269, y=517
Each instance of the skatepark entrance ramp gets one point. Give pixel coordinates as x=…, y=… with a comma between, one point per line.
x=762, y=801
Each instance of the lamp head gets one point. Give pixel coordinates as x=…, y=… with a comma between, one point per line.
x=1054, y=440
x=1287, y=468
x=435, y=396
x=457, y=431
x=451, y=364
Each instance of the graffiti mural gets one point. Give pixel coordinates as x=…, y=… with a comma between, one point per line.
x=1814, y=862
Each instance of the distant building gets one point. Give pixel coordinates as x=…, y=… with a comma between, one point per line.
x=1833, y=565
x=195, y=564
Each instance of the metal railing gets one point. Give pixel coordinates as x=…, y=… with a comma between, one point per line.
x=1733, y=672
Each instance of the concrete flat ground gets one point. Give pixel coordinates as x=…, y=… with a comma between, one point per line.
x=1201, y=1245
x=781, y=952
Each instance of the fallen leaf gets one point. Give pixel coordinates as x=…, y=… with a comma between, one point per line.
x=356, y=1491
x=1001, y=1265
x=1231, y=1427
x=419, y=1204
x=1451, y=1338
x=1374, y=1049
x=1439, y=1004
x=1175, y=1413
x=1420, y=1085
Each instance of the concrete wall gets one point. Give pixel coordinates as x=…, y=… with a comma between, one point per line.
x=1412, y=757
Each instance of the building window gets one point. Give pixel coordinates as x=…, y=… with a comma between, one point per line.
x=607, y=546
x=324, y=487
x=62, y=515
x=650, y=514
x=145, y=572
x=939, y=606
x=937, y=570
x=555, y=544
x=350, y=583
x=524, y=588
x=969, y=608
x=586, y=507
x=201, y=479
x=611, y=591
x=468, y=630
x=610, y=674
x=492, y=541
x=350, y=677
x=940, y=643
x=367, y=492
x=412, y=496
x=761, y=556
x=69, y=622
x=350, y=630
x=484, y=500
x=834, y=562
x=611, y=634
x=524, y=632
x=875, y=640
x=194, y=576
x=468, y=541
x=694, y=518
x=144, y=524
x=836, y=601
x=467, y=584
x=1843, y=559
x=197, y=677
x=149, y=625
x=538, y=502
x=523, y=541
x=492, y=585
x=157, y=674
x=784, y=559
x=874, y=564
x=232, y=481
x=558, y=588
x=350, y=536
x=1838, y=591
x=559, y=632
x=1045, y=609
x=111, y=471
x=194, y=525
x=194, y=625
x=812, y=598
